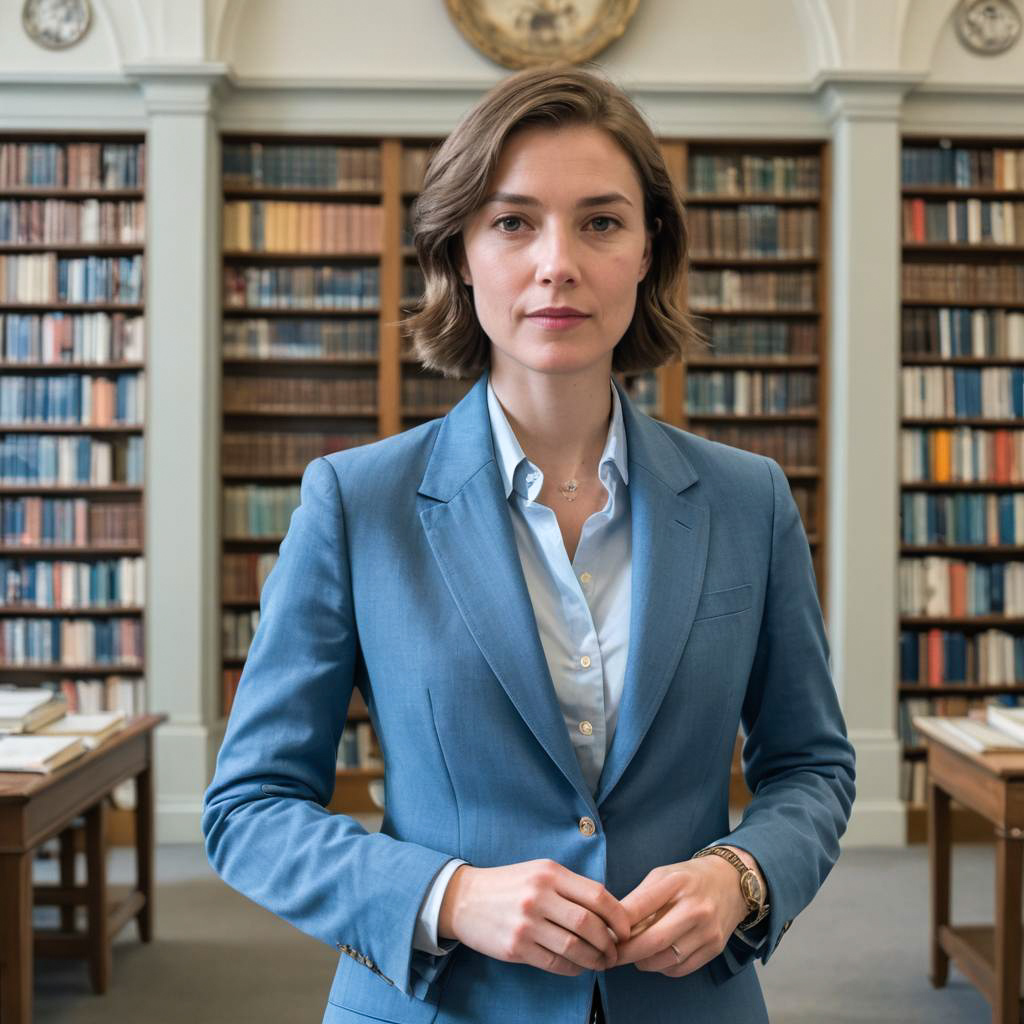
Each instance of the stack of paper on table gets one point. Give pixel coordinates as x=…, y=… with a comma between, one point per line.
x=26, y=709
x=93, y=729
x=983, y=736
x=1007, y=720
x=38, y=753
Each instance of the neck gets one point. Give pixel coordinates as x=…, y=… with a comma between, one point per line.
x=560, y=420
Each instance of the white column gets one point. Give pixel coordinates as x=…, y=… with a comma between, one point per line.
x=182, y=484
x=863, y=431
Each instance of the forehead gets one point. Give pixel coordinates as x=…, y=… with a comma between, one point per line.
x=555, y=160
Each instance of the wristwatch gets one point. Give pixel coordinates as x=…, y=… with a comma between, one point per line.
x=750, y=886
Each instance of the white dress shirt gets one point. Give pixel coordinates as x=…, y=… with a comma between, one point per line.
x=582, y=609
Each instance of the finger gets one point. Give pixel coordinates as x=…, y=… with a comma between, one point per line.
x=578, y=922
x=649, y=897
x=677, y=928
x=569, y=946
x=547, y=960
x=604, y=909
x=697, y=959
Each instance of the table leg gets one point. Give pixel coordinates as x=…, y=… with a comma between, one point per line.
x=96, y=871
x=144, y=845
x=67, y=876
x=16, y=938
x=939, y=856
x=1009, y=860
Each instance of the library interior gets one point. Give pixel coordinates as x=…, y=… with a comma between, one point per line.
x=211, y=254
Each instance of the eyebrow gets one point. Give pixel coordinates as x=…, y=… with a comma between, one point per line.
x=520, y=200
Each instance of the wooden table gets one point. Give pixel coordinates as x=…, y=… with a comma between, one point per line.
x=36, y=807
x=993, y=786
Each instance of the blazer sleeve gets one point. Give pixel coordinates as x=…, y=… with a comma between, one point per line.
x=797, y=759
x=267, y=832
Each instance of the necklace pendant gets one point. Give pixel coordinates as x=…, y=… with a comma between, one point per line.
x=569, y=488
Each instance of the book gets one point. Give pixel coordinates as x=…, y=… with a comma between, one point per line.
x=92, y=729
x=1009, y=721
x=40, y=754
x=26, y=709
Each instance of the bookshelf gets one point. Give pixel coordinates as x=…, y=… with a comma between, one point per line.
x=284, y=382
x=72, y=420
x=961, y=625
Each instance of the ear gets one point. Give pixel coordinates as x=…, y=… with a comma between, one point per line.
x=462, y=266
x=645, y=263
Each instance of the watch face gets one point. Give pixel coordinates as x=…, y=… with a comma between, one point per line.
x=56, y=24
x=751, y=888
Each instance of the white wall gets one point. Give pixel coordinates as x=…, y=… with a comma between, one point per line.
x=857, y=72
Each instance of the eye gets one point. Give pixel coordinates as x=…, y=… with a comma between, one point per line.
x=502, y=220
x=610, y=220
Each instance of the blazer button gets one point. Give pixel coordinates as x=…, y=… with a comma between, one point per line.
x=587, y=826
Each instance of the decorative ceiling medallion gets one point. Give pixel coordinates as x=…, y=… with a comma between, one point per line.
x=56, y=24
x=987, y=26
x=531, y=33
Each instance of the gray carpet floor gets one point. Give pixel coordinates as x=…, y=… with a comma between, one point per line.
x=859, y=952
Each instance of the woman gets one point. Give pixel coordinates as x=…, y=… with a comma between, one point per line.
x=559, y=612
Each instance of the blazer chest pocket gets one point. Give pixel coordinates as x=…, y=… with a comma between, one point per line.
x=724, y=602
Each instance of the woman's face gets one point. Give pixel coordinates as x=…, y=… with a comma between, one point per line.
x=562, y=226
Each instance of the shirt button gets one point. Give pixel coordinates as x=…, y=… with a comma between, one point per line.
x=585, y=661
x=587, y=826
x=586, y=728
x=585, y=577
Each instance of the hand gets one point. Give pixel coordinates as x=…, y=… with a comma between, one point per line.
x=536, y=912
x=695, y=904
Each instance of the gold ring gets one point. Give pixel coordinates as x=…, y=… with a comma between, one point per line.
x=679, y=956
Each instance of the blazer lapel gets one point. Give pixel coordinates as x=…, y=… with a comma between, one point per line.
x=670, y=550
x=470, y=534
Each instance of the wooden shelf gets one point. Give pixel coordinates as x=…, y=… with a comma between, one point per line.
x=263, y=256
x=933, y=360
x=959, y=690
x=945, y=485
x=74, y=670
x=970, y=622
x=105, y=612
x=962, y=421
x=80, y=550
x=68, y=428
x=100, y=368
x=84, y=490
x=975, y=550
x=70, y=307
x=75, y=248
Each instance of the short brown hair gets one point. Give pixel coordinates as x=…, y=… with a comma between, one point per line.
x=446, y=334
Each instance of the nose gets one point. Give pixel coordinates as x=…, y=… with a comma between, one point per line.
x=557, y=259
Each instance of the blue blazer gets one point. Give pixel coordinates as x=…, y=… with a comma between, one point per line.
x=400, y=575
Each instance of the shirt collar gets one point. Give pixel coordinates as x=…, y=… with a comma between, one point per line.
x=509, y=453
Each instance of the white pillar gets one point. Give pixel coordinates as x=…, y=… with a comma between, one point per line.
x=863, y=448
x=182, y=484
